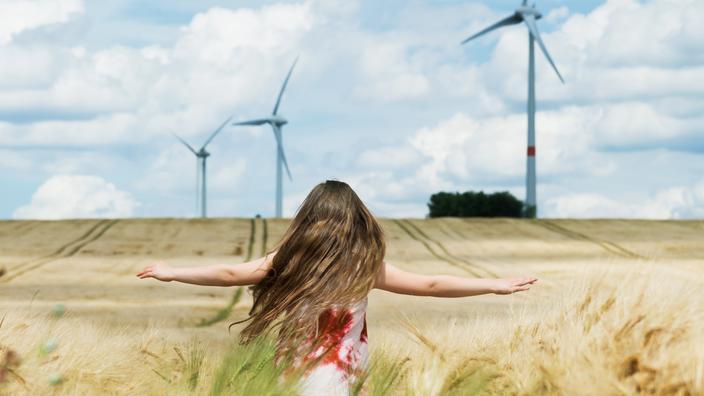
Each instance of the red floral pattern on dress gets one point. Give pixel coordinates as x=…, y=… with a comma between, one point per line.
x=342, y=350
x=333, y=325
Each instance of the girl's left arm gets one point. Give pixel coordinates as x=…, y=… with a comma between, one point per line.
x=244, y=274
x=396, y=280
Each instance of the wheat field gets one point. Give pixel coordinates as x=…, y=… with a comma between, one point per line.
x=618, y=309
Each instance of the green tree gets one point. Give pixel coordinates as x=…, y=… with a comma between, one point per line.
x=475, y=204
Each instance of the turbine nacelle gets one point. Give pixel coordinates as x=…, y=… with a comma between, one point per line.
x=526, y=15
x=525, y=10
x=273, y=120
x=278, y=120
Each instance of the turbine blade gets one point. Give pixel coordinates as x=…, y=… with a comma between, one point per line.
x=261, y=121
x=530, y=22
x=184, y=143
x=280, y=147
x=510, y=20
x=283, y=87
x=216, y=131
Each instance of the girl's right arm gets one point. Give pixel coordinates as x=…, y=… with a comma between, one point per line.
x=396, y=280
x=244, y=274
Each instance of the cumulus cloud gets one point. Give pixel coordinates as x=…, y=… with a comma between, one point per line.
x=622, y=50
x=130, y=94
x=670, y=203
x=476, y=150
x=449, y=119
x=617, y=100
x=389, y=73
x=633, y=33
x=77, y=196
x=20, y=15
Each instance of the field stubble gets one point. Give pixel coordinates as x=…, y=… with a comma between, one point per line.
x=618, y=310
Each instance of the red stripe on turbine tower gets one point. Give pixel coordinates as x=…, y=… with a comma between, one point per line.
x=531, y=151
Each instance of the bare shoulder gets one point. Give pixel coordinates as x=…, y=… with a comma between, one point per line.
x=252, y=272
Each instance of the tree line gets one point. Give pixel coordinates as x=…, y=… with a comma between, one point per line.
x=477, y=204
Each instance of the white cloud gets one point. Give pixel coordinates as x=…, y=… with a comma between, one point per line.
x=174, y=170
x=389, y=157
x=388, y=72
x=14, y=161
x=584, y=205
x=633, y=72
x=34, y=68
x=623, y=49
x=669, y=203
x=630, y=33
x=472, y=148
x=626, y=99
x=557, y=14
x=223, y=58
x=465, y=152
x=75, y=162
x=217, y=34
x=77, y=196
x=18, y=16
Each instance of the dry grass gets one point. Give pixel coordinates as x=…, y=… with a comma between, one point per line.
x=608, y=333
x=618, y=309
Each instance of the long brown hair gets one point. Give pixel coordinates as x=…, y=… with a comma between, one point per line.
x=329, y=256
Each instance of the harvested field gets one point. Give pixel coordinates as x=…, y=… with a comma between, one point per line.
x=616, y=309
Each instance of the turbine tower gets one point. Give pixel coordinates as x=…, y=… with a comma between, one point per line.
x=277, y=122
x=528, y=15
x=201, y=157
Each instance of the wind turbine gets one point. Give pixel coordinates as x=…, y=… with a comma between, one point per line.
x=528, y=15
x=277, y=122
x=201, y=157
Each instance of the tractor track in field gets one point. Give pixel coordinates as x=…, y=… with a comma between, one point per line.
x=608, y=246
x=26, y=225
x=543, y=282
x=691, y=224
x=447, y=252
x=67, y=250
x=453, y=230
x=265, y=236
x=440, y=252
x=250, y=244
x=225, y=312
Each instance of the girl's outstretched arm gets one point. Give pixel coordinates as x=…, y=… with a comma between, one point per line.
x=396, y=280
x=244, y=274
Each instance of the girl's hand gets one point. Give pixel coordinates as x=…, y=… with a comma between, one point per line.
x=509, y=286
x=158, y=270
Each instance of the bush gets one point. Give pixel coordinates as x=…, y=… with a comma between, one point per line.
x=475, y=204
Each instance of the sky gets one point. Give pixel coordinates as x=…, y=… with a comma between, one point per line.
x=383, y=97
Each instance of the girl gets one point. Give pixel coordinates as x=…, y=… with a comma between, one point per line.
x=313, y=285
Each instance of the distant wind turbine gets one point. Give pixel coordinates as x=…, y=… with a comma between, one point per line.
x=201, y=157
x=277, y=122
x=528, y=15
